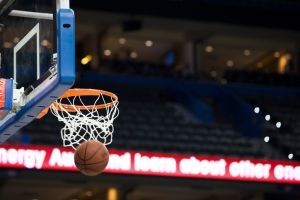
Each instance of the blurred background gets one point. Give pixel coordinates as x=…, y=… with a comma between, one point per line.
x=204, y=78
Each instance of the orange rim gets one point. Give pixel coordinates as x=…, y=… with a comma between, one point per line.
x=85, y=92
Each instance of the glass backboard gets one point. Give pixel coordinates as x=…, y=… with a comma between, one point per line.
x=37, y=52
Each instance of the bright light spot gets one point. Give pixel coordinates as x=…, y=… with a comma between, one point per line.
x=86, y=59
x=291, y=156
x=149, y=43
x=283, y=63
x=267, y=139
x=267, y=117
x=213, y=73
x=16, y=40
x=45, y=43
x=133, y=55
x=89, y=193
x=230, y=63
x=276, y=54
x=247, y=52
x=112, y=194
x=260, y=65
x=8, y=45
x=256, y=110
x=209, y=49
x=278, y=124
x=107, y=52
x=122, y=41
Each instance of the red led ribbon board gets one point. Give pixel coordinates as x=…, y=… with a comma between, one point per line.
x=155, y=164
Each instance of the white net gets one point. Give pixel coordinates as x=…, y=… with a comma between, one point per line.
x=86, y=121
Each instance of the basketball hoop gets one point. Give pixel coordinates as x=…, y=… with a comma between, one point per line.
x=85, y=120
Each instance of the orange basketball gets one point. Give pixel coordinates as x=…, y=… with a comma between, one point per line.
x=91, y=157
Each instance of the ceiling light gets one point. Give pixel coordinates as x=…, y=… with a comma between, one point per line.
x=107, y=52
x=256, y=110
x=148, y=43
x=45, y=43
x=213, y=73
x=209, y=49
x=89, y=193
x=291, y=156
x=267, y=139
x=133, y=55
x=278, y=124
x=247, y=52
x=85, y=60
x=260, y=65
x=16, y=40
x=267, y=117
x=230, y=63
x=8, y=45
x=122, y=40
x=276, y=54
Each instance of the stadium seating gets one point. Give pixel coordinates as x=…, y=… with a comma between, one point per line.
x=151, y=120
x=164, y=128
x=286, y=111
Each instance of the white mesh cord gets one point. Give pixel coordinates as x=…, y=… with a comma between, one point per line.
x=85, y=124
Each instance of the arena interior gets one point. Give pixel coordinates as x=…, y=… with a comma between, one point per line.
x=209, y=105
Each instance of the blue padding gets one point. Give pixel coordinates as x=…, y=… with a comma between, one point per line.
x=198, y=108
x=239, y=113
x=65, y=80
x=66, y=46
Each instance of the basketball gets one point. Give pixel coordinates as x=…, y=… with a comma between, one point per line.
x=91, y=157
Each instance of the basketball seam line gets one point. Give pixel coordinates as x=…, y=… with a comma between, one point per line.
x=77, y=154
x=85, y=152
x=94, y=153
x=87, y=168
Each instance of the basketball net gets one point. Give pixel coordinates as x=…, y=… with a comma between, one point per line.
x=86, y=122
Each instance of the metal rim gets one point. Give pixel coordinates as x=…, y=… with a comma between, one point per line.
x=84, y=92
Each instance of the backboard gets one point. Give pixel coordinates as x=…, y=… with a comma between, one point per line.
x=37, y=52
